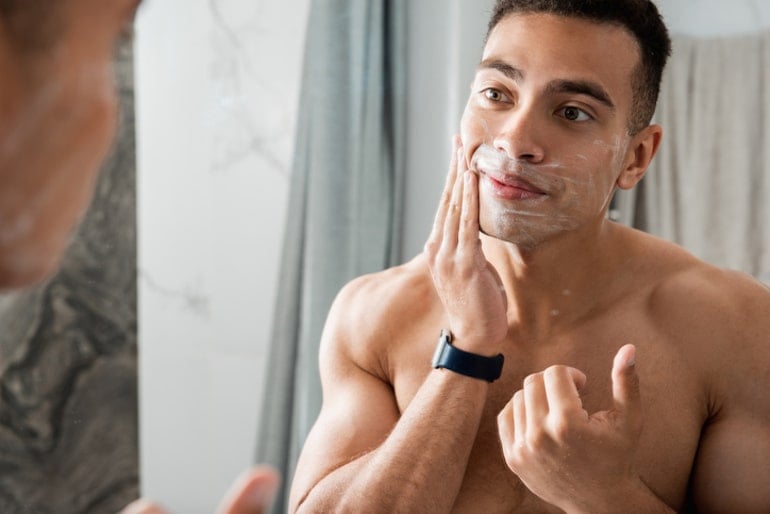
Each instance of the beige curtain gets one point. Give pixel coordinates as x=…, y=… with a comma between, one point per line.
x=709, y=187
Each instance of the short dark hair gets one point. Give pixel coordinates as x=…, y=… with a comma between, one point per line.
x=639, y=17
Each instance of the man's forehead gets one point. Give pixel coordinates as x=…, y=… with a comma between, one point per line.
x=573, y=32
x=561, y=48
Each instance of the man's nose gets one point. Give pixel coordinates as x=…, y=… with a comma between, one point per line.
x=520, y=136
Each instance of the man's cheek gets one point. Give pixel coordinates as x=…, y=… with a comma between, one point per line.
x=474, y=128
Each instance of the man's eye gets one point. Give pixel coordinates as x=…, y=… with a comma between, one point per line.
x=494, y=95
x=574, y=114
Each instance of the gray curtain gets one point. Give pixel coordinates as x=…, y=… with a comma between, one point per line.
x=709, y=187
x=345, y=201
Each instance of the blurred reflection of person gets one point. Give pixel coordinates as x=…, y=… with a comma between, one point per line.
x=57, y=120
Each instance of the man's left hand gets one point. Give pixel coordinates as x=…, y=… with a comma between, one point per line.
x=561, y=453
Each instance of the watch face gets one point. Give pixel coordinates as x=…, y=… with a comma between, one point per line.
x=443, y=342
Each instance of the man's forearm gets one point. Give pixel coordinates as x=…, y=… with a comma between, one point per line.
x=420, y=466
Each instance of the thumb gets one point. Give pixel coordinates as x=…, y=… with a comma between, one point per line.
x=625, y=387
x=252, y=492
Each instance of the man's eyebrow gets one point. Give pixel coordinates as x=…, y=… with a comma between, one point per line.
x=582, y=87
x=503, y=67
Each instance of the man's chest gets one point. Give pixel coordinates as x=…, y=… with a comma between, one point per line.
x=673, y=409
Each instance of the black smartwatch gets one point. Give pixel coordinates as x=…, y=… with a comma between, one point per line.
x=466, y=363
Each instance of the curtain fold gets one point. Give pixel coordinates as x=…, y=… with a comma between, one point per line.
x=344, y=214
x=707, y=188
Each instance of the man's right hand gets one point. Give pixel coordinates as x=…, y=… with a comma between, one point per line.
x=469, y=287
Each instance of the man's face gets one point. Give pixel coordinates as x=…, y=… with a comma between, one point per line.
x=546, y=124
x=57, y=120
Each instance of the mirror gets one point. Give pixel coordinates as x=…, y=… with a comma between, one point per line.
x=216, y=87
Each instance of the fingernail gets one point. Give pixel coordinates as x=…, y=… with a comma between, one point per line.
x=631, y=360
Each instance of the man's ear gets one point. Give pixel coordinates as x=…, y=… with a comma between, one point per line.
x=643, y=148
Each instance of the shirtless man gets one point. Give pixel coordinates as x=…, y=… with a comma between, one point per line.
x=636, y=377
x=57, y=121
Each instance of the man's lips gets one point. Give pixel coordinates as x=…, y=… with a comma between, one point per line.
x=511, y=187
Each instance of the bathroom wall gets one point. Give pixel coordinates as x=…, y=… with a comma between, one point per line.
x=217, y=88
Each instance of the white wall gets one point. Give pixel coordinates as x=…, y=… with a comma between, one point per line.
x=217, y=84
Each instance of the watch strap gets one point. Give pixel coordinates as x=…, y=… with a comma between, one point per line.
x=466, y=363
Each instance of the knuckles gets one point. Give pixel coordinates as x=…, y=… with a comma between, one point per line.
x=562, y=429
x=431, y=250
x=554, y=372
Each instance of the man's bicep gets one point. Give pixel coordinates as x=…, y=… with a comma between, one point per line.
x=732, y=467
x=732, y=470
x=358, y=412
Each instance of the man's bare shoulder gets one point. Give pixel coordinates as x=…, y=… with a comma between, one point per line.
x=722, y=314
x=372, y=312
x=374, y=300
x=690, y=291
x=679, y=279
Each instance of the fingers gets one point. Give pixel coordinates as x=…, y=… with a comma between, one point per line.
x=562, y=386
x=511, y=423
x=251, y=493
x=551, y=397
x=548, y=402
x=452, y=219
x=456, y=219
x=506, y=426
x=446, y=195
x=519, y=415
x=469, y=228
x=535, y=402
x=625, y=387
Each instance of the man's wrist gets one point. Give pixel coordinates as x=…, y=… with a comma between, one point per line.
x=466, y=363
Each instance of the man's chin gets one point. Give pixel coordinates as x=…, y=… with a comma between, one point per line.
x=513, y=236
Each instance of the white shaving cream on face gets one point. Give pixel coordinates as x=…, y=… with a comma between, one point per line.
x=617, y=151
x=571, y=194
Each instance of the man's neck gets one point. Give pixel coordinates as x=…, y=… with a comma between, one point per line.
x=560, y=282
